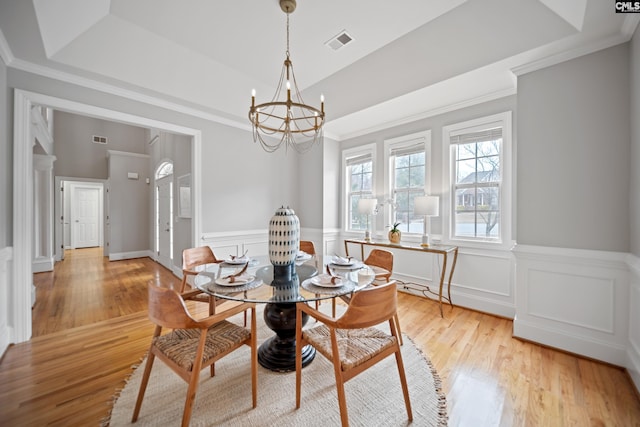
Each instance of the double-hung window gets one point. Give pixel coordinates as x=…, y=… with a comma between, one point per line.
x=407, y=173
x=359, y=184
x=479, y=161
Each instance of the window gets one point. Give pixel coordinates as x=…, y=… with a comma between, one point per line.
x=164, y=169
x=408, y=178
x=479, y=177
x=359, y=184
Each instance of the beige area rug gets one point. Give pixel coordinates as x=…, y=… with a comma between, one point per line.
x=374, y=398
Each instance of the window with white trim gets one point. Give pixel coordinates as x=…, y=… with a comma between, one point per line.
x=479, y=178
x=359, y=184
x=407, y=176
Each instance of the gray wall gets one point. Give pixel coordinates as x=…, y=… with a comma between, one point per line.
x=129, y=203
x=6, y=162
x=435, y=124
x=573, y=153
x=635, y=144
x=242, y=185
x=309, y=207
x=76, y=154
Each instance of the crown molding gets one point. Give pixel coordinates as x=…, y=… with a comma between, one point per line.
x=571, y=54
x=431, y=113
x=5, y=50
x=630, y=24
x=63, y=76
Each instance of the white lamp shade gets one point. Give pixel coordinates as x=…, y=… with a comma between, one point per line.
x=367, y=206
x=426, y=205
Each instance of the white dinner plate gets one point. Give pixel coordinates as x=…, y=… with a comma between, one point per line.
x=324, y=280
x=240, y=280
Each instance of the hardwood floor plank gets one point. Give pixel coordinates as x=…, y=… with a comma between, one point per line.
x=90, y=329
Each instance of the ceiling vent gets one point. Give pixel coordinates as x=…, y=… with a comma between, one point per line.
x=99, y=139
x=339, y=41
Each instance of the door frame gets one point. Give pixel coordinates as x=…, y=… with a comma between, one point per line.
x=59, y=212
x=100, y=188
x=20, y=328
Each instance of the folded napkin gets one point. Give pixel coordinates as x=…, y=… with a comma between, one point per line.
x=232, y=277
x=301, y=254
x=329, y=277
x=242, y=278
x=342, y=260
x=238, y=259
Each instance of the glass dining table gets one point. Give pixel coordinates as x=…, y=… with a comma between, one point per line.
x=256, y=284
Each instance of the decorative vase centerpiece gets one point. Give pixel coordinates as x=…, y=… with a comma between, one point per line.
x=284, y=241
x=395, y=234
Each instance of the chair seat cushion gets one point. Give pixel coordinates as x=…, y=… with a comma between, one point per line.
x=181, y=345
x=355, y=346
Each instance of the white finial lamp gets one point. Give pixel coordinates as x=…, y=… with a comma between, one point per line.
x=367, y=207
x=428, y=206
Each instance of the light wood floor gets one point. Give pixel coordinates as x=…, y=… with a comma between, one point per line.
x=90, y=327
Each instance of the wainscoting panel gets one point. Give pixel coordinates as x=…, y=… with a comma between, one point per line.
x=574, y=300
x=633, y=347
x=482, y=280
x=254, y=242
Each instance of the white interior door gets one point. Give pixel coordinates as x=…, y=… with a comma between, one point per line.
x=86, y=214
x=164, y=224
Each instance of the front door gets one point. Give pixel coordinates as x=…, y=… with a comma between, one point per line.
x=86, y=213
x=164, y=223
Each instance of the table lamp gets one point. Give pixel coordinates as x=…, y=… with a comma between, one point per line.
x=428, y=206
x=367, y=207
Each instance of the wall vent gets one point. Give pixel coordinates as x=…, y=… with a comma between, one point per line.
x=339, y=41
x=99, y=139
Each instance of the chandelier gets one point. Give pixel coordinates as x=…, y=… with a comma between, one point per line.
x=286, y=119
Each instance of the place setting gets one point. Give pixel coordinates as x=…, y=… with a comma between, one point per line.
x=348, y=263
x=329, y=283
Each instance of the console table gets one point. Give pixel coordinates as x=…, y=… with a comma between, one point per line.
x=443, y=250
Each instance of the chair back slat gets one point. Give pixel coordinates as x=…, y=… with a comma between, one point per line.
x=308, y=247
x=167, y=309
x=370, y=307
x=193, y=257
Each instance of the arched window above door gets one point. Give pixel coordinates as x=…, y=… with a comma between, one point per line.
x=165, y=169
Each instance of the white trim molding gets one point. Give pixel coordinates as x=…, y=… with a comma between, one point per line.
x=6, y=256
x=633, y=349
x=575, y=300
x=130, y=255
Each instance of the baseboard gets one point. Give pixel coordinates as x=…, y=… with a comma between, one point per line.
x=130, y=255
x=590, y=347
x=43, y=264
x=633, y=365
x=5, y=340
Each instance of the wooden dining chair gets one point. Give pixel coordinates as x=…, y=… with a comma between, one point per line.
x=307, y=246
x=194, y=344
x=191, y=259
x=351, y=342
x=381, y=262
